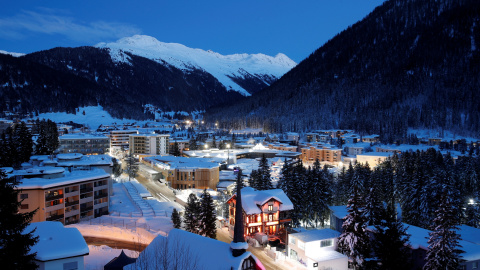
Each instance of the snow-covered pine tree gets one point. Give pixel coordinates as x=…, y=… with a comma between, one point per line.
x=374, y=210
x=176, y=219
x=390, y=246
x=192, y=214
x=264, y=175
x=444, y=248
x=472, y=215
x=15, y=243
x=208, y=217
x=253, y=180
x=354, y=241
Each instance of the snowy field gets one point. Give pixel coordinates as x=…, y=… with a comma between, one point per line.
x=94, y=117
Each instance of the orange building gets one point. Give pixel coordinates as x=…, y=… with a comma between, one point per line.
x=264, y=211
x=322, y=153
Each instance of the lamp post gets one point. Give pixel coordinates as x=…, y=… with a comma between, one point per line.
x=228, y=153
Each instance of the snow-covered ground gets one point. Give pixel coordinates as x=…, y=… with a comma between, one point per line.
x=101, y=255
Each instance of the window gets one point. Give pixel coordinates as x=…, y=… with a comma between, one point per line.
x=474, y=265
x=326, y=243
x=270, y=217
x=292, y=240
x=24, y=206
x=23, y=196
x=70, y=266
x=270, y=207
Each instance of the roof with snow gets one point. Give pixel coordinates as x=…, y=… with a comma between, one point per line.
x=57, y=242
x=87, y=160
x=68, y=179
x=36, y=171
x=375, y=154
x=69, y=156
x=190, y=248
x=181, y=162
x=327, y=255
x=82, y=136
x=252, y=199
x=315, y=235
x=419, y=239
x=469, y=234
x=339, y=211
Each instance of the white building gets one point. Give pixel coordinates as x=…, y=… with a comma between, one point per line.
x=316, y=249
x=58, y=248
x=149, y=144
x=373, y=158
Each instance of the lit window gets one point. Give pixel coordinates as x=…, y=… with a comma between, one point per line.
x=270, y=207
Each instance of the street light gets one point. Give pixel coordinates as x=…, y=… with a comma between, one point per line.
x=228, y=151
x=206, y=146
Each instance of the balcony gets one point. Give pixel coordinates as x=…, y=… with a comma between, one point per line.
x=101, y=195
x=85, y=190
x=86, y=209
x=71, y=203
x=54, y=217
x=53, y=197
x=71, y=193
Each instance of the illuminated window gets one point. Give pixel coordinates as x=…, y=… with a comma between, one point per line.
x=270, y=207
x=24, y=206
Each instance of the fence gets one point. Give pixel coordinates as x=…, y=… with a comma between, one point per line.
x=119, y=223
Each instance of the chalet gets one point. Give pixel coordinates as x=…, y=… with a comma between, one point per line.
x=264, y=211
x=316, y=249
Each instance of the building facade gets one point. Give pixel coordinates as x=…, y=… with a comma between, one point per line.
x=79, y=195
x=149, y=144
x=120, y=139
x=87, y=144
x=322, y=153
x=265, y=211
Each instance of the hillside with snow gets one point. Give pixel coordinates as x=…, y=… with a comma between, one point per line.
x=229, y=70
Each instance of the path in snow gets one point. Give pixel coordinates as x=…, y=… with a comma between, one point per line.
x=146, y=209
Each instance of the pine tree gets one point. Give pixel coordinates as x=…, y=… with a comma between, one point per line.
x=131, y=167
x=443, y=249
x=117, y=168
x=176, y=219
x=373, y=211
x=391, y=245
x=265, y=180
x=253, y=180
x=192, y=214
x=192, y=145
x=15, y=243
x=472, y=215
x=24, y=141
x=208, y=218
x=354, y=241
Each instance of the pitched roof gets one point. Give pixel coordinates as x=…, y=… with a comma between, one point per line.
x=252, y=199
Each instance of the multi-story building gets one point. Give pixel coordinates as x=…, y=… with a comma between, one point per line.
x=282, y=147
x=183, y=145
x=87, y=144
x=79, y=195
x=184, y=173
x=120, y=139
x=149, y=144
x=264, y=211
x=322, y=153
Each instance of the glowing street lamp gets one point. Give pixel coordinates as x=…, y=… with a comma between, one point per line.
x=206, y=146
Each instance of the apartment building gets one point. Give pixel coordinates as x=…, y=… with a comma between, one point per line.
x=322, y=153
x=78, y=195
x=87, y=144
x=149, y=144
x=184, y=173
x=120, y=139
x=282, y=147
x=264, y=211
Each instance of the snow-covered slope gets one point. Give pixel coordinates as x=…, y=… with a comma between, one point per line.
x=12, y=53
x=222, y=67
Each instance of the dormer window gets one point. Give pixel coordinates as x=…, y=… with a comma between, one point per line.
x=270, y=207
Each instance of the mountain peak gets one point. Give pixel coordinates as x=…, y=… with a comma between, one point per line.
x=228, y=69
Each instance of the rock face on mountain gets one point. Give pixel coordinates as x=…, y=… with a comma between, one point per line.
x=131, y=72
x=408, y=64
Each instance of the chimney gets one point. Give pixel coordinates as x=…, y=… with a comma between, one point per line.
x=238, y=245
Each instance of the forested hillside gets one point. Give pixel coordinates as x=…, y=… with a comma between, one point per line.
x=408, y=64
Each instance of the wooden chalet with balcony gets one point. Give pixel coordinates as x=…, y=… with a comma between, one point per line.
x=264, y=211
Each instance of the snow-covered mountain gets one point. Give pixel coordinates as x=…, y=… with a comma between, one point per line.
x=230, y=70
x=14, y=54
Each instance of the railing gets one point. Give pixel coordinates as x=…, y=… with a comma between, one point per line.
x=86, y=209
x=102, y=195
x=85, y=190
x=71, y=203
x=54, y=217
x=71, y=221
x=53, y=197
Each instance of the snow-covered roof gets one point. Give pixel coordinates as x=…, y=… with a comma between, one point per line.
x=376, y=154
x=82, y=136
x=57, y=242
x=204, y=252
x=469, y=234
x=339, y=211
x=87, y=161
x=182, y=162
x=36, y=171
x=315, y=235
x=252, y=199
x=69, y=156
x=68, y=179
x=419, y=239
